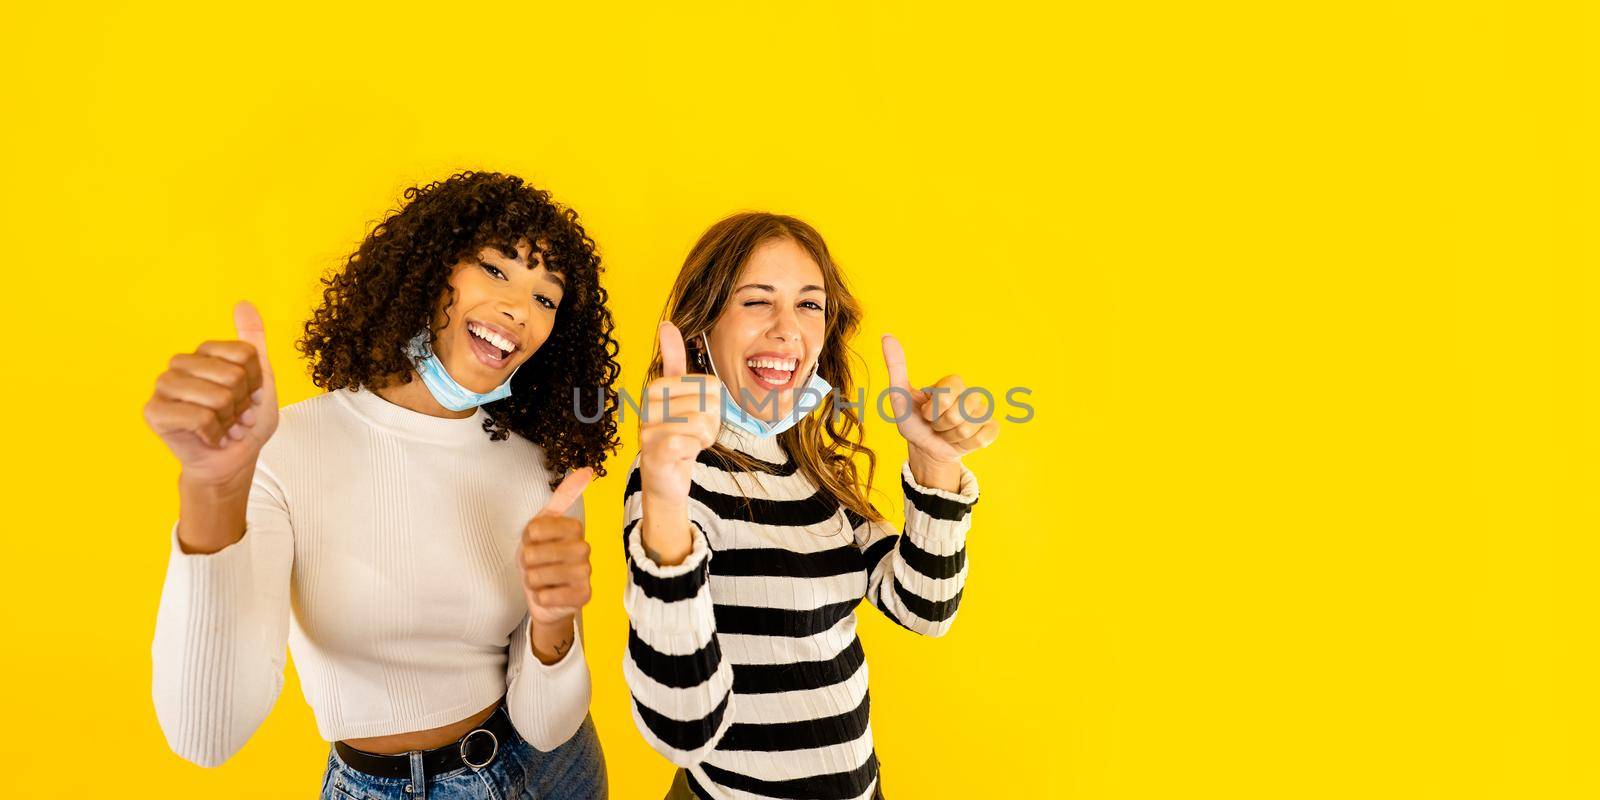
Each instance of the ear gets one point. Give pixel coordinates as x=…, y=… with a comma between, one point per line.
x=696, y=355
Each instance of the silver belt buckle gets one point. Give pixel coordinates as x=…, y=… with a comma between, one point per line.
x=495, y=740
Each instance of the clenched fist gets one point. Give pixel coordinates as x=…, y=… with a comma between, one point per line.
x=555, y=557
x=216, y=407
x=941, y=424
x=681, y=416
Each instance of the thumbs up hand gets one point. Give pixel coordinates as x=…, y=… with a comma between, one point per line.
x=555, y=557
x=940, y=426
x=216, y=407
x=681, y=417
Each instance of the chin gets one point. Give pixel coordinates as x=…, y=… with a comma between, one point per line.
x=763, y=402
x=473, y=378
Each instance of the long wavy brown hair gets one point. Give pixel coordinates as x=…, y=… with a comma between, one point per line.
x=824, y=445
x=390, y=288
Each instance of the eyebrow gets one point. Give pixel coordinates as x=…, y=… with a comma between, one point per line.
x=767, y=287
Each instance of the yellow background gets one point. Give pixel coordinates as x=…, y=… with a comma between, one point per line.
x=1305, y=294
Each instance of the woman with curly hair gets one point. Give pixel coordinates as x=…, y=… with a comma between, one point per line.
x=404, y=533
x=748, y=533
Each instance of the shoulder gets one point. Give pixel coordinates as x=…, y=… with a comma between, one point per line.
x=323, y=403
x=308, y=422
x=328, y=408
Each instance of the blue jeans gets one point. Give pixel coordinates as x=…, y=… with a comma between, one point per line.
x=574, y=771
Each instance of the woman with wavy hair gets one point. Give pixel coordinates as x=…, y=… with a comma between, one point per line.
x=403, y=533
x=748, y=533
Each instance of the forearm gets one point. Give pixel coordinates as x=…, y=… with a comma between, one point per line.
x=217, y=653
x=919, y=581
x=680, y=684
x=920, y=589
x=211, y=516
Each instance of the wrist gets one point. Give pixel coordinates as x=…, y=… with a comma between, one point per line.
x=551, y=641
x=664, y=501
x=209, y=487
x=934, y=473
x=211, y=513
x=664, y=531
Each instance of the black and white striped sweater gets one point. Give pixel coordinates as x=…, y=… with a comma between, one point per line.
x=743, y=660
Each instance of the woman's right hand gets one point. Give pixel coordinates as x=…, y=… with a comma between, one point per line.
x=681, y=416
x=216, y=407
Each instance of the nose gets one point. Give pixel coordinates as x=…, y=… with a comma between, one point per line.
x=514, y=308
x=785, y=326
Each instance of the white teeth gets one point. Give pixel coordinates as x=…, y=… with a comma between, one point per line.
x=491, y=337
x=786, y=364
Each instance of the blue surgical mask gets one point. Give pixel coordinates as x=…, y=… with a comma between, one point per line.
x=444, y=388
x=806, y=400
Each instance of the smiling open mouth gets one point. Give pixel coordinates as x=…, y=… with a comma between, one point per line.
x=491, y=347
x=772, y=373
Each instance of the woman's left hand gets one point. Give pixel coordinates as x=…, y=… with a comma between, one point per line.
x=943, y=422
x=555, y=557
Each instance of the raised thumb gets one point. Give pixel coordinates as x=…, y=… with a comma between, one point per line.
x=673, y=359
x=247, y=323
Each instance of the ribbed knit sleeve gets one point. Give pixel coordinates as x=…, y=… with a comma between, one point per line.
x=221, y=632
x=917, y=577
x=548, y=702
x=680, y=683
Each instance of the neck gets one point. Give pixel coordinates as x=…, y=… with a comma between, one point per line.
x=764, y=448
x=416, y=397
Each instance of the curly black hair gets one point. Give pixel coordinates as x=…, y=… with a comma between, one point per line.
x=390, y=288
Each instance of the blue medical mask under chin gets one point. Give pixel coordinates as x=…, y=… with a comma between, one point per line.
x=444, y=388
x=806, y=400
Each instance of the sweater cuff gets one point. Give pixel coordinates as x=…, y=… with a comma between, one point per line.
x=937, y=514
x=699, y=551
x=547, y=702
x=226, y=570
x=672, y=602
x=231, y=552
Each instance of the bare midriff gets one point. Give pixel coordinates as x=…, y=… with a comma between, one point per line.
x=422, y=740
